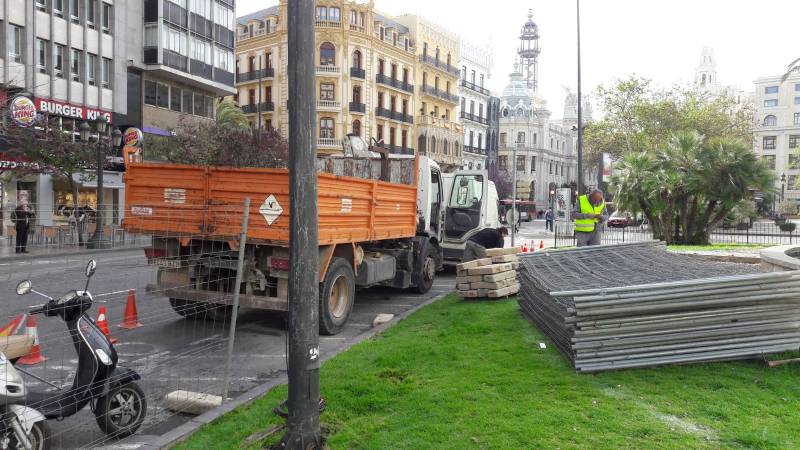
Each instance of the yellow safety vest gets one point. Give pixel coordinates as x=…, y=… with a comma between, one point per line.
x=587, y=225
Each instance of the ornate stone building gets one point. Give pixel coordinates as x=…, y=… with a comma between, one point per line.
x=365, y=66
x=476, y=63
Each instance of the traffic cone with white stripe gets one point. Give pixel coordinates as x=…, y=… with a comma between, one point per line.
x=13, y=326
x=131, y=319
x=102, y=323
x=35, y=356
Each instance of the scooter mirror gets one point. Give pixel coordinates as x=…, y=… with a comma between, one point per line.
x=90, y=268
x=24, y=287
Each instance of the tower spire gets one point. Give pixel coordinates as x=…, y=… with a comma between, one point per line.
x=529, y=52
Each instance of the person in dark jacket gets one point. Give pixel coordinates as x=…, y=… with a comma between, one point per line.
x=487, y=238
x=23, y=219
x=548, y=219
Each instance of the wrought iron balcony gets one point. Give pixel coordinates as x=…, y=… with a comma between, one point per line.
x=397, y=84
x=475, y=87
x=446, y=96
x=254, y=75
x=358, y=107
x=474, y=118
x=356, y=72
x=439, y=65
x=254, y=108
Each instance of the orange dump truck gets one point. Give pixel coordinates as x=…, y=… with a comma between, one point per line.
x=381, y=222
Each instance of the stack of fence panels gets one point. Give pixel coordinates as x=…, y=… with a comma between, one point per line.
x=637, y=305
x=492, y=277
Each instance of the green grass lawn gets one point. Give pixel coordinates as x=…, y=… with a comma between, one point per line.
x=718, y=247
x=460, y=374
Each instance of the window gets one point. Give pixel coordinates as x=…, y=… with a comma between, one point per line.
x=357, y=59
x=175, y=99
x=533, y=164
x=224, y=59
x=551, y=167
x=201, y=8
x=405, y=107
x=436, y=83
x=224, y=16
x=326, y=128
x=251, y=96
x=472, y=107
x=322, y=13
x=327, y=54
x=91, y=68
x=41, y=5
x=771, y=102
x=188, y=103
x=105, y=73
x=769, y=142
x=199, y=105
x=326, y=91
x=472, y=77
x=481, y=80
x=503, y=139
x=75, y=11
x=405, y=76
x=58, y=7
x=58, y=60
x=447, y=87
x=437, y=54
x=797, y=118
x=90, y=12
x=502, y=162
x=106, y=18
x=480, y=141
x=393, y=103
x=15, y=34
x=791, y=183
x=76, y=65
x=394, y=71
x=394, y=39
x=770, y=121
x=471, y=138
x=163, y=95
x=201, y=51
x=150, y=92
x=521, y=137
x=424, y=49
x=797, y=100
x=480, y=111
x=175, y=41
x=793, y=139
x=334, y=14
x=404, y=139
x=794, y=162
x=521, y=163
x=380, y=100
x=381, y=67
x=771, y=90
x=392, y=133
x=356, y=128
x=41, y=55
x=797, y=87
x=379, y=135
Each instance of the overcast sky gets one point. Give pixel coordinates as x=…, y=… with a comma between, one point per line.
x=657, y=39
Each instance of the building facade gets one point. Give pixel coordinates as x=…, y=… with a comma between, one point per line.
x=777, y=130
x=365, y=67
x=476, y=63
x=440, y=134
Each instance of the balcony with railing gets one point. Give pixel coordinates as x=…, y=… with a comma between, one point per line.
x=329, y=143
x=254, y=108
x=329, y=105
x=427, y=123
x=358, y=28
x=479, y=89
x=357, y=72
x=358, y=107
x=395, y=83
x=474, y=118
x=443, y=66
x=254, y=75
x=394, y=115
x=446, y=96
x=475, y=150
x=328, y=24
x=248, y=35
x=328, y=70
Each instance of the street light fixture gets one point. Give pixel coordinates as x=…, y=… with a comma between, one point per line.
x=783, y=186
x=98, y=240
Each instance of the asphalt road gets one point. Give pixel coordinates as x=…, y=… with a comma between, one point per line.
x=169, y=352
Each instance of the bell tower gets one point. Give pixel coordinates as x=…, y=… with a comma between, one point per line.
x=705, y=75
x=529, y=52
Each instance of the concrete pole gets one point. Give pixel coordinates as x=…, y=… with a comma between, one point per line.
x=303, y=431
x=580, y=106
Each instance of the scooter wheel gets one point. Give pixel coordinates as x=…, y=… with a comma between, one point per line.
x=39, y=437
x=121, y=412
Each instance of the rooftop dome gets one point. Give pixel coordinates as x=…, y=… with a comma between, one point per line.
x=530, y=29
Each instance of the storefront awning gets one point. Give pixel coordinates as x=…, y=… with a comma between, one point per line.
x=111, y=180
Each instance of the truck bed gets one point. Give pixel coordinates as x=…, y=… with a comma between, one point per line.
x=175, y=200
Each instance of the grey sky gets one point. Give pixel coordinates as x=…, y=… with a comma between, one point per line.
x=657, y=39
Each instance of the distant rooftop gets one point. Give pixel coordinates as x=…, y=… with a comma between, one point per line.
x=259, y=15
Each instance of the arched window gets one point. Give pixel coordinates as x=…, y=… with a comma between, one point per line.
x=326, y=128
x=770, y=121
x=433, y=144
x=436, y=83
x=437, y=54
x=356, y=94
x=357, y=59
x=327, y=54
x=505, y=112
x=446, y=147
x=704, y=80
x=449, y=58
x=357, y=127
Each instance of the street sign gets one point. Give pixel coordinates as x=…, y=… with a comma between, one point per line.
x=271, y=210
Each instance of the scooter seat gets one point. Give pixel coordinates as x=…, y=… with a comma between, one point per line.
x=16, y=346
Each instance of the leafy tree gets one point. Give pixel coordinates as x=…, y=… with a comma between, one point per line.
x=230, y=115
x=689, y=186
x=502, y=182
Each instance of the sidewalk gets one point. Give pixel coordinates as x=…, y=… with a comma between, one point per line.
x=7, y=250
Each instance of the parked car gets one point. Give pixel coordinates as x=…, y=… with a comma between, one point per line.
x=623, y=219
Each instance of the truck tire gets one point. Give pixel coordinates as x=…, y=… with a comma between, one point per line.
x=426, y=271
x=336, y=296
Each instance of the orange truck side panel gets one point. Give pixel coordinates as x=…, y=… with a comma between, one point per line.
x=205, y=202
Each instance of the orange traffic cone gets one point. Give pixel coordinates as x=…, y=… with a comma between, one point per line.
x=13, y=326
x=35, y=356
x=131, y=319
x=103, y=324
x=533, y=246
x=541, y=245
x=524, y=248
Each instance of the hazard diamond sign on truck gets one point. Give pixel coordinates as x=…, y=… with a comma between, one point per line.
x=271, y=209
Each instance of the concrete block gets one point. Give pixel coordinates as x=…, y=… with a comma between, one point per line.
x=469, y=279
x=191, y=402
x=467, y=265
x=502, y=251
x=484, y=262
x=463, y=286
x=505, y=259
x=381, y=319
x=509, y=290
x=487, y=270
x=500, y=276
x=492, y=285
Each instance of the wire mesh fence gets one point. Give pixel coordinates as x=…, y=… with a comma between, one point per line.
x=756, y=233
x=164, y=343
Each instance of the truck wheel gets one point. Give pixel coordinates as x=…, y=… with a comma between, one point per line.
x=427, y=271
x=336, y=297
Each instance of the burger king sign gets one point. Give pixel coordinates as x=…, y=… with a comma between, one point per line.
x=23, y=111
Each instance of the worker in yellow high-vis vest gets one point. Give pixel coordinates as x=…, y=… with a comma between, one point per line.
x=589, y=215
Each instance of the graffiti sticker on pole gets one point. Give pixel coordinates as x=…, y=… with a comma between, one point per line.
x=271, y=209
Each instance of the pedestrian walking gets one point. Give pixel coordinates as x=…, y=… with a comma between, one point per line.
x=483, y=240
x=589, y=215
x=548, y=219
x=23, y=219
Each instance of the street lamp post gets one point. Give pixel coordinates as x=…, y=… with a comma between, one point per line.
x=783, y=186
x=514, y=196
x=580, y=105
x=98, y=240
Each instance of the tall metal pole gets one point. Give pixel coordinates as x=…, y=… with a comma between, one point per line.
x=580, y=106
x=260, y=72
x=514, y=198
x=236, y=292
x=303, y=430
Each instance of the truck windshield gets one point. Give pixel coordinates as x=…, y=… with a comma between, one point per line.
x=467, y=191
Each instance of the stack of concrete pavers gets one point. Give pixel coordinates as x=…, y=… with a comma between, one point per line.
x=494, y=276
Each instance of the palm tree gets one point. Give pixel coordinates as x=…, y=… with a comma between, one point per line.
x=230, y=115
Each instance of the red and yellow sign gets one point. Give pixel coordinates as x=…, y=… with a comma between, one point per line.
x=56, y=108
x=23, y=111
x=132, y=137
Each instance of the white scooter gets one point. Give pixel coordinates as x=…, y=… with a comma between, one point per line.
x=21, y=427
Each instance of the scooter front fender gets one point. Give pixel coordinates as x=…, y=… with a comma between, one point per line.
x=121, y=376
x=28, y=417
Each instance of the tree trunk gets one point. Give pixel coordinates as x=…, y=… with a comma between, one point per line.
x=75, y=206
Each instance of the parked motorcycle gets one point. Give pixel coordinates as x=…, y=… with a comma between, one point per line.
x=21, y=427
x=118, y=403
